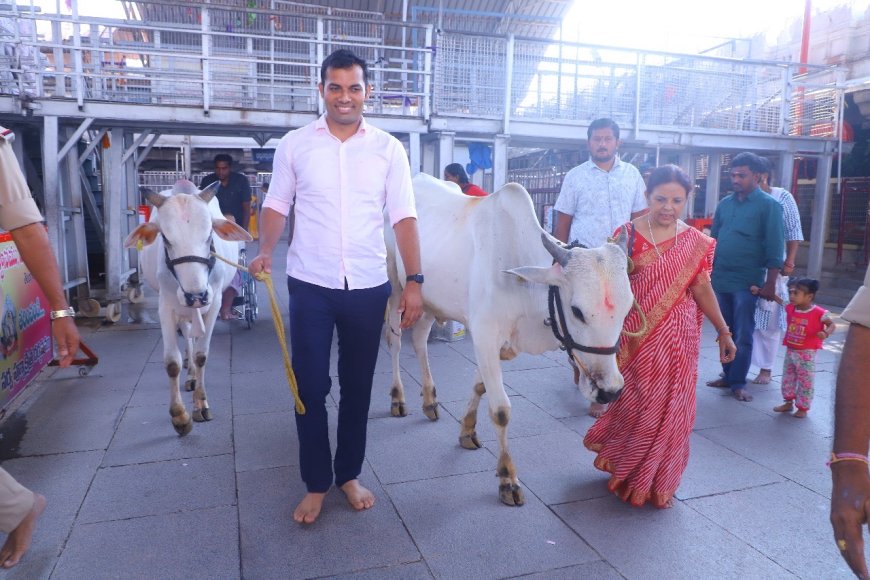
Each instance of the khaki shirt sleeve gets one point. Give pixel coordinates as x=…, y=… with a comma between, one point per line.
x=17, y=208
x=858, y=310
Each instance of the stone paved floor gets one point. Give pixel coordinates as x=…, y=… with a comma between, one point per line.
x=130, y=499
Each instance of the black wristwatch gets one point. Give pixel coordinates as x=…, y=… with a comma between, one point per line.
x=418, y=278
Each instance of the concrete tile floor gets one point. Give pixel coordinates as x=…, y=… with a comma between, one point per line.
x=128, y=498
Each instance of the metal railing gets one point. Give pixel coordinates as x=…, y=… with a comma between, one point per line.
x=221, y=56
x=552, y=81
x=215, y=57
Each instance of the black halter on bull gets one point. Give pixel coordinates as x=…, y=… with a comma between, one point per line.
x=557, y=323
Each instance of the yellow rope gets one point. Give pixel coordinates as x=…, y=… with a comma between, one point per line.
x=279, y=329
x=643, y=324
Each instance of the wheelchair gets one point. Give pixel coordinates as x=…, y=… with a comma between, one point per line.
x=246, y=302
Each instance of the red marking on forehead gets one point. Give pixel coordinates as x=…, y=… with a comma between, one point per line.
x=608, y=302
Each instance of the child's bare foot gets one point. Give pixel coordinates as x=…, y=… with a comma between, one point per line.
x=358, y=497
x=786, y=407
x=763, y=377
x=800, y=414
x=596, y=409
x=18, y=541
x=309, y=508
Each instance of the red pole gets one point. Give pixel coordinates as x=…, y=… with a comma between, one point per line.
x=805, y=36
x=805, y=51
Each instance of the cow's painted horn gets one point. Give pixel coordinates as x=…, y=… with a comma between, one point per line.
x=208, y=193
x=155, y=198
x=559, y=253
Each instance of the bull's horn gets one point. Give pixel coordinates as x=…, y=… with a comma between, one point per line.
x=560, y=254
x=209, y=191
x=155, y=198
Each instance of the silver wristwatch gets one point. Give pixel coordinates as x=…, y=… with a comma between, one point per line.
x=55, y=314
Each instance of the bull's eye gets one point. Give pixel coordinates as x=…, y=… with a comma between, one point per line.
x=578, y=314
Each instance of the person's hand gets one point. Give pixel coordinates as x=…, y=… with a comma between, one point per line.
x=727, y=349
x=768, y=291
x=822, y=334
x=850, y=510
x=66, y=339
x=411, y=305
x=787, y=269
x=262, y=263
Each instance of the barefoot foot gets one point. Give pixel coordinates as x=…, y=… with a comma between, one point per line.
x=742, y=395
x=596, y=409
x=718, y=384
x=800, y=414
x=18, y=541
x=309, y=508
x=358, y=497
x=763, y=377
x=786, y=407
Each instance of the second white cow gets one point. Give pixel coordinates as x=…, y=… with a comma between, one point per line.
x=489, y=265
x=176, y=260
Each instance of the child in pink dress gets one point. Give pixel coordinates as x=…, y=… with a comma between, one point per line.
x=808, y=326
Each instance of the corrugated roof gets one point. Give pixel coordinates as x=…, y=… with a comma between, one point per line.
x=526, y=18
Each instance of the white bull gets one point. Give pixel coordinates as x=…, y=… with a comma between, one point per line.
x=488, y=264
x=178, y=264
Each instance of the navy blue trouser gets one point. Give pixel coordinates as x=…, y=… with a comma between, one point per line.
x=738, y=310
x=358, y=316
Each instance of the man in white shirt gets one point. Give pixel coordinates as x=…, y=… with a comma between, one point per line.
x=598, y=196
x=338, y=174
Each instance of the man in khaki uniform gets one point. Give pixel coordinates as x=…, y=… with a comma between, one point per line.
x=20, y=507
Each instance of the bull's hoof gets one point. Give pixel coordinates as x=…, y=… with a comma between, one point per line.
x=200, y=415
x=190, y=385
x=431, y=411
x=183, y=429
x=511, y=494
x=398, y=410
x=469, y=441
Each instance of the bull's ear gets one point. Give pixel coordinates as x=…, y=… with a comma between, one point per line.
x=144, y=234
x=230, y=231
x=551, y=276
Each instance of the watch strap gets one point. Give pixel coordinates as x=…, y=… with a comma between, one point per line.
x=55, y=314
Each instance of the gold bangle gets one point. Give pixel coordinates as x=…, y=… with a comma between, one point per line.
x=721, y=334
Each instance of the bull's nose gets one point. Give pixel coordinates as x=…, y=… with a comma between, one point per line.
x=604, y=397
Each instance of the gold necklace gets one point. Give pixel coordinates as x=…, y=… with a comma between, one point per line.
x=652, y=236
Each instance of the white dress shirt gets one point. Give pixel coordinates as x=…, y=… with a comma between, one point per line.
x=600, y=201
x=340, y=190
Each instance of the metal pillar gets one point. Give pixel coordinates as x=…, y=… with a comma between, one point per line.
x=414, y=153
x=446, y=145
x=499, y=161
x=821, y=211
x=712, y=194
x=114, y=208
x=786, y=171
x=687, y=163
x=430, y=157
x=77, y=251
x=51, y=184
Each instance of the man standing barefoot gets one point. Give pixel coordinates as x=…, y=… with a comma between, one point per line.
x=338, y=174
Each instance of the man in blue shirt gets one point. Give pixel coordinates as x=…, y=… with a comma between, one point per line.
x=748, y=227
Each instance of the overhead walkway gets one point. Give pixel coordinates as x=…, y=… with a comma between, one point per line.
x=105, y=90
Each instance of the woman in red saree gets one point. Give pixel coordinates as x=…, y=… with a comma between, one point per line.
x=643, y=438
